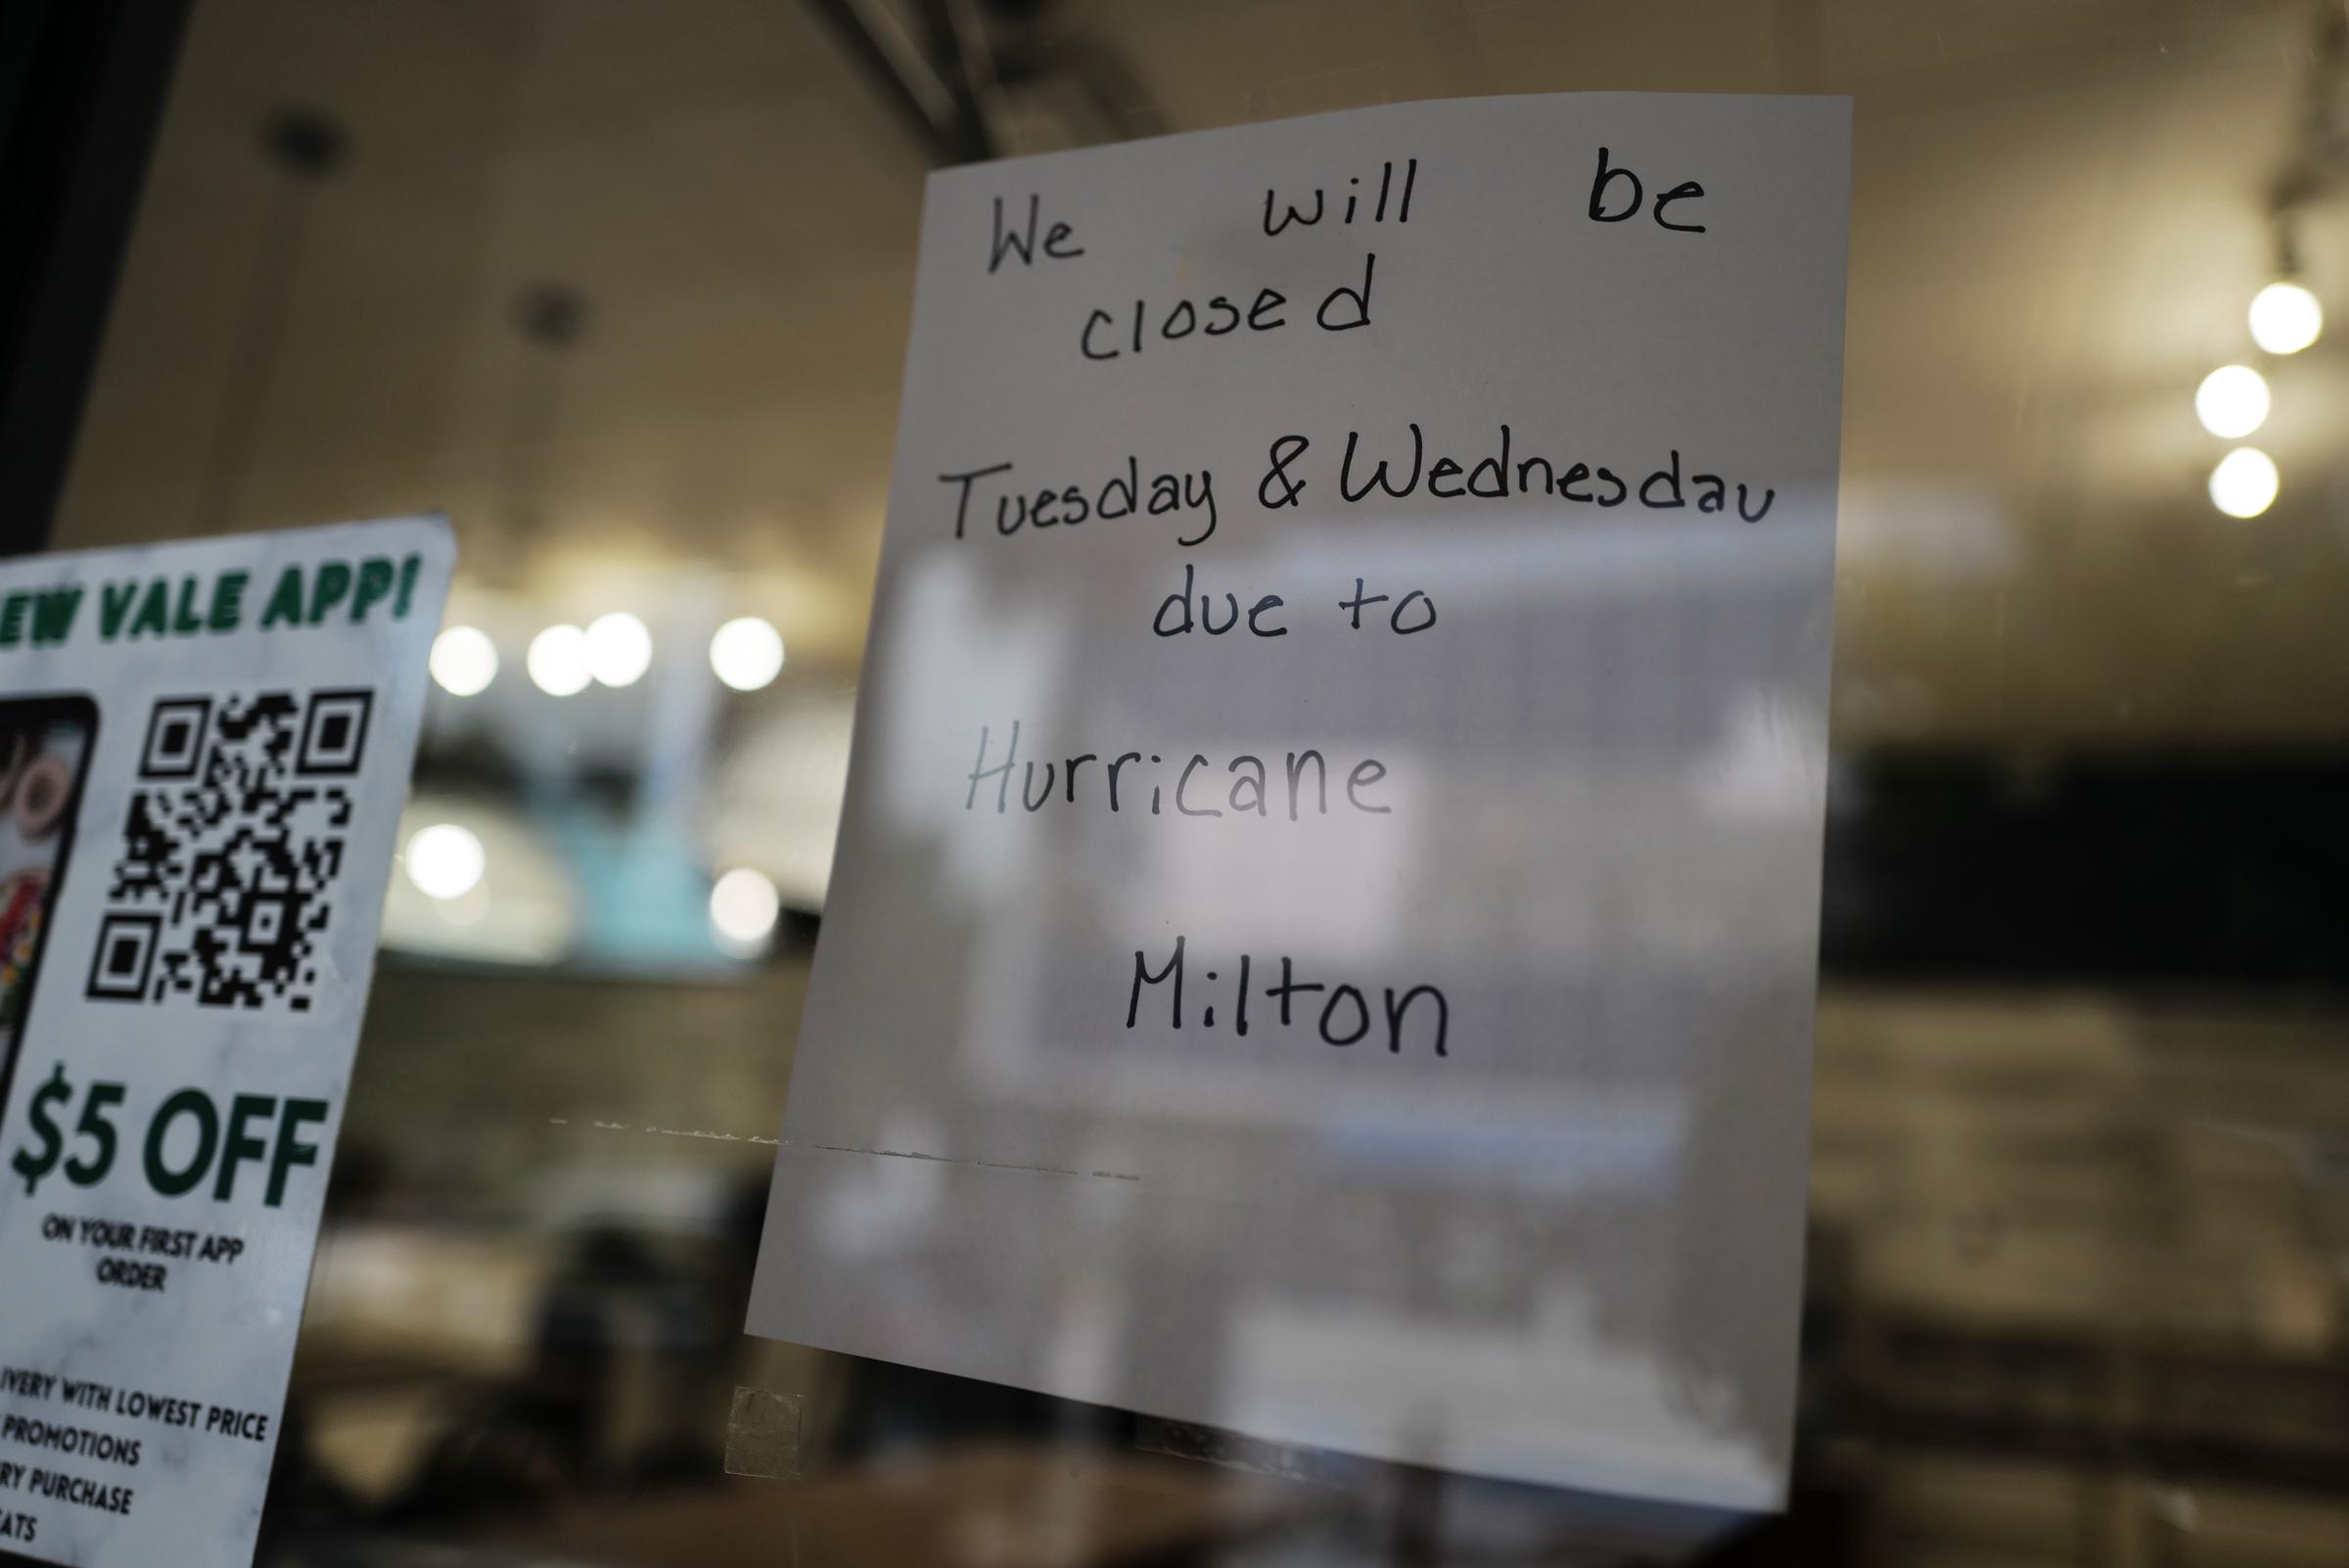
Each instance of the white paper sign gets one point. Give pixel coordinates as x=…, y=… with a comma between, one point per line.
x=204, y=752
x=1371, y=1010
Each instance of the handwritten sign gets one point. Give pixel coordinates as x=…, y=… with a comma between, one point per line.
x=1324, y=932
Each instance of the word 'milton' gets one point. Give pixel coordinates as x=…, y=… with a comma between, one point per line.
x=1052, y=506
x=1243, y=787
x=1368, y=475
x=1346, y=1017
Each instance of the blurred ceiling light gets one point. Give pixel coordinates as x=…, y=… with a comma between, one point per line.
x=559, y=660
x=747, y=652
x=2231, y=401
x=2245, y=483
x=464, y=660
x=743, y=908
x=445, y=861
x=619, y=648
x=2285, y=318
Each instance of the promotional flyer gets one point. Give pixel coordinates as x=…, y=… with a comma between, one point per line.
x=204, y=752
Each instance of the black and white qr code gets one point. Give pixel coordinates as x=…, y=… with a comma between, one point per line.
x=232, y=850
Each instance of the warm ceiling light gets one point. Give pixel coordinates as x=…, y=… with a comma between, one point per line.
x=619, y=648
x=559, y=660
x=464, y=660
x=2231, y=401
x=2285, y=318
x=743, y=909
x=2245, y=483
x=747, y=652
x=445, y=861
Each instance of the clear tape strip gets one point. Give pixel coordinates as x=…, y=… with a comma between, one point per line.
x=1209, y=1444
x=762, y=1435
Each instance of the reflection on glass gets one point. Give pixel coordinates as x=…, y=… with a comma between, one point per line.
x=625, y=288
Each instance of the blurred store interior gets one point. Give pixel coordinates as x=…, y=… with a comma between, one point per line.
x=623, y=287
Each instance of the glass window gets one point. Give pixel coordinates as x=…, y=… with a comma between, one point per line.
x=624, y=289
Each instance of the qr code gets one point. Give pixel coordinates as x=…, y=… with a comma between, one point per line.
x=232, y=850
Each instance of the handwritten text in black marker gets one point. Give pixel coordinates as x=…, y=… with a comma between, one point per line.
x=1342, y=1014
